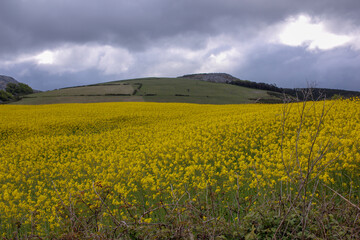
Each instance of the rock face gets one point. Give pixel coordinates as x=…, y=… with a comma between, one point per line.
x=4, y=80
x=212, y=77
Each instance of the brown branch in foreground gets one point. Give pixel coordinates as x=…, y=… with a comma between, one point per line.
x=344, y=198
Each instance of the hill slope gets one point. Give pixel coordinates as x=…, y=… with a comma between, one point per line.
x=317, y=93
x=4, y=80
x=154, y=90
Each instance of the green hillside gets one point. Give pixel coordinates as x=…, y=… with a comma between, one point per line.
x=154, y=90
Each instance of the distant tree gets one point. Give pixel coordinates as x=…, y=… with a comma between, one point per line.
x=18, y=89
x=5, y=96
x=12, y=88
x=25, y=89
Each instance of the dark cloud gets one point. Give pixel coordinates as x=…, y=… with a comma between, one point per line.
x=42, y=80
x=135, y=24
x=294, y=67
x=268, y=65
x=175, y=37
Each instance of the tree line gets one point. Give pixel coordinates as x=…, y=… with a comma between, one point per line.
x=297, y=92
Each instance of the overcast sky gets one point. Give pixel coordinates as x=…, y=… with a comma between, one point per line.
x=51, y=44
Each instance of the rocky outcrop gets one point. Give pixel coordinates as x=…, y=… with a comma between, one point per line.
x=212, y=77
x=4, y=80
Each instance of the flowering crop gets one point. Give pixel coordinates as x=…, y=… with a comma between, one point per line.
x=141, y=154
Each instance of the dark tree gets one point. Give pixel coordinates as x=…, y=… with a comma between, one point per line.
x=18, y=89
x=5, y=96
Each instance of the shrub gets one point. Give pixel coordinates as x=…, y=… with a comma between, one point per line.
x=5, y=96
x=18, y=89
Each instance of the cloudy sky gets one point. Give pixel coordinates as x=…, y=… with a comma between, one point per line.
x=57, y=43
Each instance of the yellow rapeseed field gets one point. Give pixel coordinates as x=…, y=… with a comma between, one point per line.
x=54, y=157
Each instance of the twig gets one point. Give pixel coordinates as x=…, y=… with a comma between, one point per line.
x=70, y=212
x=104, y=204
x=346, y=200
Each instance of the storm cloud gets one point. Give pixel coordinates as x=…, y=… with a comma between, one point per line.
x=52, y=44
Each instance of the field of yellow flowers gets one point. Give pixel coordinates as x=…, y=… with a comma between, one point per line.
x=108, y=167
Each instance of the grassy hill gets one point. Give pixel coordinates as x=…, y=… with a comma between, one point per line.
x=297, y=93
x=154, y=90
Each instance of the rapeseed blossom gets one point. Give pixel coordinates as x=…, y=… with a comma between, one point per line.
x=145, y=153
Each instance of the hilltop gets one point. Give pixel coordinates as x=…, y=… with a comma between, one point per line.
x=212, y=77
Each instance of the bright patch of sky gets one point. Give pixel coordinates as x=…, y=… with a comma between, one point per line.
x=46, y=57
x=302, y=31
x=75, y=58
